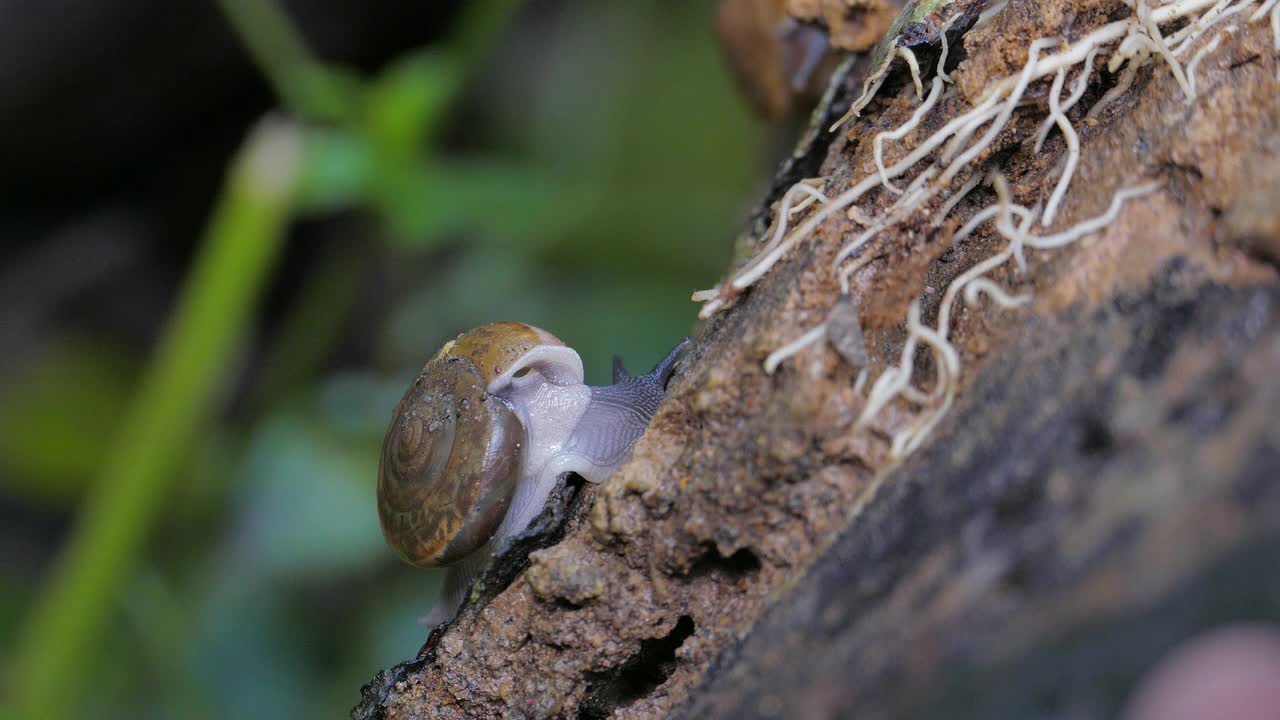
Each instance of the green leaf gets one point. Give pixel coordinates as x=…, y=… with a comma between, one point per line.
x=337, y=169
x=59, y=418
x=308, y=503
x=405, y=104
x=505, y=204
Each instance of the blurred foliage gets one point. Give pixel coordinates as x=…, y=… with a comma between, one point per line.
x=577, y=165
x=69, y=400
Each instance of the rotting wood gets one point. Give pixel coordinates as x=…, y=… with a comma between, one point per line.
x=745, y=480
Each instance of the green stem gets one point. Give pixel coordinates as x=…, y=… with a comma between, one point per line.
x=480, y=27
x=312, y=326
x=176, y=398
x=302, y=83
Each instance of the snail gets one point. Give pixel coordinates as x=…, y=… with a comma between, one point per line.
x=482, y=435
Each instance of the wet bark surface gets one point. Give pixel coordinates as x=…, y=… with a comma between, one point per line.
x=1104, y=486
x=1108, y=488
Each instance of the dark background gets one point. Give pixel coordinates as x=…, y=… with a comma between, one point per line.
x=578, y=165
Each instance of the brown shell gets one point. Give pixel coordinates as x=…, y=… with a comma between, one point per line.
x=494, y=347
x=452, y=454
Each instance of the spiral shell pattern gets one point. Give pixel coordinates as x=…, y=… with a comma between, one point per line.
x=453, y=454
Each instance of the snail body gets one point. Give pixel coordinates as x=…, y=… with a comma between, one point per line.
x=480, y=438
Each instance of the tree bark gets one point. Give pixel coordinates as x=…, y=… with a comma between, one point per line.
x=1106, y=484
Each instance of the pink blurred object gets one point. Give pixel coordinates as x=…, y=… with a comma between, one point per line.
x=1231, y=673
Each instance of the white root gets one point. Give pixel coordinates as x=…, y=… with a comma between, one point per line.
x=1180, y=40
x=982, y=268
x=816, y=335
x=970, y=122
x=784, y=211
x=986, y=214
x=1073, y=151
x=1033, y=55
x=964, y=125
x=1161, y=48
x=1082, y=83
x=910, y=58
x=809, y=186
x=1275, y=32
x=947, y=364
x=872, y=84
x=1070, y=56
x=846, y=272
x=1205, y=50
x=869, y=88
x=916, y=195
x=896, y=381
x=878, y=143
x=1131, y=43
x=1017, y=236
x=988, y=287
x=1180, y=9
x=757, y=268
x=950, y=204
x=1122, y=86
x=1155, y=47
x=1093, y=225
x=892, y=380
x=942, y=58
x=913, y=395
x=991, y=11
x=713, y=299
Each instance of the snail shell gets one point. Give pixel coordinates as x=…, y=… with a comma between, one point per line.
x=483, y=435
x=454, y=451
